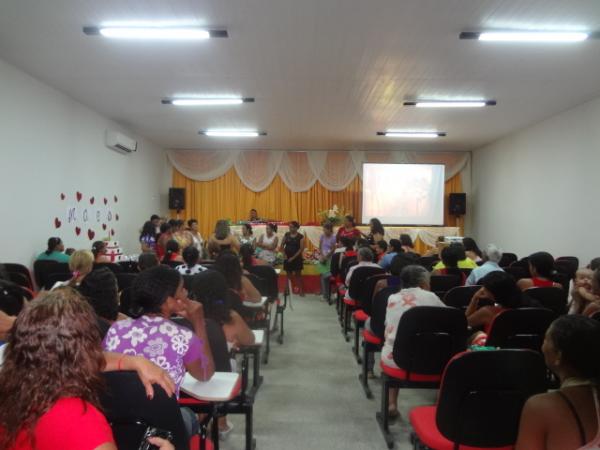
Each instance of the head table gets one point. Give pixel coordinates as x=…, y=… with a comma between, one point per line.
x=427, y=235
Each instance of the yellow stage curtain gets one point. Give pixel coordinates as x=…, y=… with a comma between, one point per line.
x=226, y=197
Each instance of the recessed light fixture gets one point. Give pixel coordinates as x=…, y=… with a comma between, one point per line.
x=450, y=103
x=411, y=134
x=526, y=36
x=233, y=133
x=155, y=33
x=207, y=101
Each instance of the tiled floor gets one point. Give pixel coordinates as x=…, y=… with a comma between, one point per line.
x=311, y=397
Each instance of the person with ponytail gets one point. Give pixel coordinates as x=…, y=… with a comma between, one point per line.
x=568, y=418
x=54, y=252
x=172, y=252
x=80, y=264
x=99, y=252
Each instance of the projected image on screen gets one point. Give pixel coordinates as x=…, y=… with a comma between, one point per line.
x=403, y=194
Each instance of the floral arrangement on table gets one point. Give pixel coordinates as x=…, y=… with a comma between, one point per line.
x=334, y=216
x=311, y=256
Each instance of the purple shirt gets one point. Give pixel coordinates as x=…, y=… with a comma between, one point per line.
x=327, y=243
x=150, y=241
x=162, y=341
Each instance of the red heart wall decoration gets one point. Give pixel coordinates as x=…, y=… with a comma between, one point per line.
x=79, y=195
x=116, y=199
x=105, y=201
x=116, y=217
x=77, y=231
x=92, y=200
x=91, y=234
x=112, y=232
x=62, y=196
x=57, y=222
x=104, y=226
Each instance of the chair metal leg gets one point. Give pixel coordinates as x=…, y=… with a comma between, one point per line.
x=383, y=415
x=250, y=443
x=363, y=377
x=357, y=328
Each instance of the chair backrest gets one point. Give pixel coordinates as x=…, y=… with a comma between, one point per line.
x=20, y=268
x=129, y=266
x=359, y=275
x=55, y=277
x=347, y=262
x=507, y=259
x=566, y=267
x=427, y=337
x=125, y=280
x=173, y=264
x=460, y=296
x=440, y=284
x=113, y=267
x=427, y=261
x=552, y=298
x=268, y=274
x=379, y=308
x=366, y=291
x=563, y=279
x=42, y=268
x=126, y=304
x=573, y=260
x=20, y=279
x=130, y=412
x=335, y=264
x=523, y=262
x=517, y=272
x=482, y=395
x=522, y=328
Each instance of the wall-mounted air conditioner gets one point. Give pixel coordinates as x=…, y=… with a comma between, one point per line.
x=119, y=142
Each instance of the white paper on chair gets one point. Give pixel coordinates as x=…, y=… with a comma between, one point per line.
x=218, y=389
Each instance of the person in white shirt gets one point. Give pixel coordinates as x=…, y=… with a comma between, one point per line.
x=191, y=255
x=365, y=259
x=492, y=256
x=415, y=292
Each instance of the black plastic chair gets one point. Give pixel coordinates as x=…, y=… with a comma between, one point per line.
x=125, y=280
x=130, y=412
x=21, y=269
x=427, y=261
x=572, y=260
x=460, y=296
x=271, y=291
x=522, y=328
x=507, y=259
x=517, y=272
x=129, y=266
x=426, y=339
x=440, y=284
x=43, y=268
x=563, y=279
x=20, y=279
x=55, y=277
x=523, y=263
x=113, y=267
x=126, y=304
x=553, y=298
x=373, y=339
x=480, y=400
x=565, y=267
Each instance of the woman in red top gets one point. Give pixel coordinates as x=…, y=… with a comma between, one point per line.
x=541, y=268
x=348, y=229
x=499, y=288
x=50, y=378
x=172, y=252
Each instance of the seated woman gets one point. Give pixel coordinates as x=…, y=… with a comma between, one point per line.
x=247, y=236
x=472, y=250
x=222, y=239
x=80, y=264
x=541, y=268
x=54, y=252
x=582, y=293
x=166, y=234
x=407, y=244
x=394, y=249
x=99, y=252
x=593, y=296
x=148, y=237
x=248, y=259
x=267, y=244
x=376, y=232
x=463, y=261
x=50, y=382
x=499, y=288
x=492, y=256
x=172, y=252
x=191, y=256
x=450, y=258
x=348, y=230
x=100, y=289
x=380, y=250
x=415, y=292
x=566, y=419
x=229, y=265
x=147, y=260
x=160, y=294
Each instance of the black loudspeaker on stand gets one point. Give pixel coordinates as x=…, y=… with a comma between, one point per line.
x=457, y=205
x=177, y=198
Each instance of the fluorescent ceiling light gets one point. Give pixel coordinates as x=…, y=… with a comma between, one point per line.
x=233, y=133
x=450, y=103
x=154, y=32
x=526, y=36
x=412, y=134
x=207, y=101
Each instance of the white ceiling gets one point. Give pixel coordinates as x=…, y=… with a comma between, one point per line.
x=326, y=74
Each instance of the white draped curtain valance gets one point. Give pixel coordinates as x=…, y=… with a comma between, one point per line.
x=335, y=170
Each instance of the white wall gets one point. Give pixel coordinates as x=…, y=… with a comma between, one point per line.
x=50, y=144
x=538, y=189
